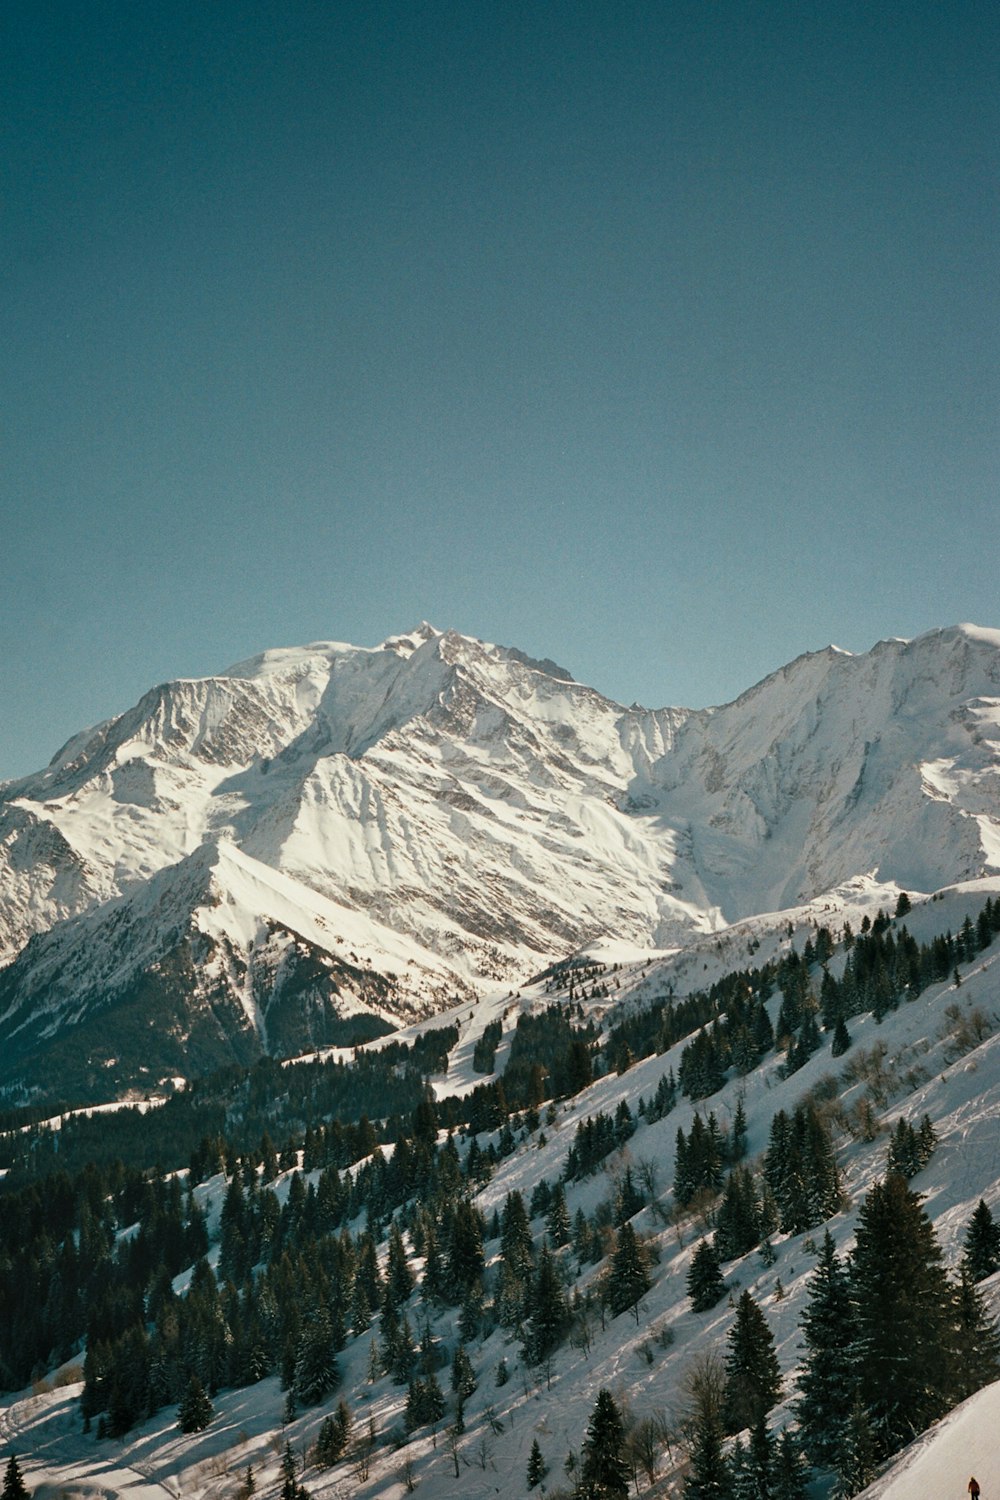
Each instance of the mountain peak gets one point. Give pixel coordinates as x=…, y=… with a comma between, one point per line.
x=412, y=640
x=476, y=812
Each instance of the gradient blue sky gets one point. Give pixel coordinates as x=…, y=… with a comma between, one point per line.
x=657, y=338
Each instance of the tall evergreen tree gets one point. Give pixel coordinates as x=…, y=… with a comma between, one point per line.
x=557, y=1224
x=463, y=1376
x=709, y=1476
x=196, y=1410
x=628, y=1199
x=406, y=1354
x=738, y=1139
x=432, y=1285
x=537, y=1468
x=800, y=1169
x=789, y=1471
x=904, y=1312
x=978, y=1357
x=629, y=1279
x=548, y=1311
x=604, y=1473
x=827, y=1381
x=14, y=1487
x=841, y=1038
x=316, y=1372
x=737, y=1220
x=465, y=1250
x=331, y=1441
x=398, y=1277
x=753, y=1376
x=903, y=1155
x=704, y=1280
x=290, y=1487
x=982, y=1244
x=751, y=1467
x=857, y=1463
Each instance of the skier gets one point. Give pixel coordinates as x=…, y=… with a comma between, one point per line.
x=974, y=1488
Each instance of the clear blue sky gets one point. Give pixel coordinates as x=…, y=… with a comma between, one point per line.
x=657, y=338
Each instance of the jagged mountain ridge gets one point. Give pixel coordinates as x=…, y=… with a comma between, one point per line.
x=465, y=812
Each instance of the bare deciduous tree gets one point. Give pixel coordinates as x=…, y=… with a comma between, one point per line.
x=484, y=1451
x=703, y=1386
x=363, y=1450
x=646, y=1440
x=453, y=1443
x=648, y=1173
x=406, y=1476
x=581, y=1331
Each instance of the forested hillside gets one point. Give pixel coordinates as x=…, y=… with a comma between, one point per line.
x=736, y=1233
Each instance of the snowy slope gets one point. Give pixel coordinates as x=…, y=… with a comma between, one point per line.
x=478, y=813
x=941, y=1461
x=642, y=1363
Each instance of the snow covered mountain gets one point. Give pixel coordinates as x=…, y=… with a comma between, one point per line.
x=326, y=837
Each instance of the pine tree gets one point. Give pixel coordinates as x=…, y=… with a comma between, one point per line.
x=537, y=1467
x=424, y=1401
x=753, y=1376
x=629, y=1279
x=741, y=1478
x=857, y=1462
x=903, y=1156
x=800, y=1169
x=465, y=1250
x=196, y=1411
x=316, y=1373
x=982, y=1244
x=331, y=1443
x=823, y=1191
x=841, y=1038
x=327, y=1449
x=516, y=1246
x=390, y=1335
x=827, y=1381
x=684, y=1185
x=463, y=1376
x=432, y=1285
x=557, y=1225
x=14, y=1487
x=604, y=1472
x=367, y=1275
x=904, y=1345
x=470, y=1317
x=737, y=1220
x=628, y=1199
x=290, y=1488
x=789, y=1471
x=751, y=1467
x=926, y=1141
x=709, y=1476
x=406, y=1354
x=705, y=1285
x=548, y=1311
x=978, y=1361
x=738, y=1141
x=398, y=1278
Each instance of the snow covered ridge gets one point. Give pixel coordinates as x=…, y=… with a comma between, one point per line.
x=375, y=830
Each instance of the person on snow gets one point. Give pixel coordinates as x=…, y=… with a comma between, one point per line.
x=974, y=1487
